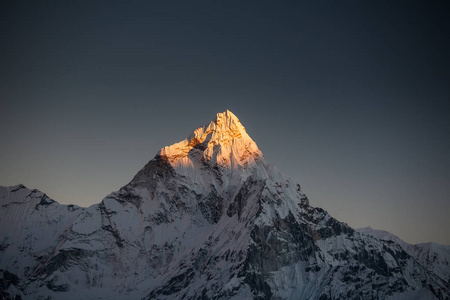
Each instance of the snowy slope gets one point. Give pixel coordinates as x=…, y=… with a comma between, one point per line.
x=31, y=227
x=207, y=218
x=434, y=257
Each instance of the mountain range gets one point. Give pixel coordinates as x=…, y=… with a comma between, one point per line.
x=206, y=218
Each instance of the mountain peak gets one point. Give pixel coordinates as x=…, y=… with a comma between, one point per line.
x=223, y=141
x=228, y=120
x=225, y=127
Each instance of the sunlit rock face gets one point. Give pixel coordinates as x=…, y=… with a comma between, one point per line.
x=207, y=218
x=220, y=154
x=223, y=142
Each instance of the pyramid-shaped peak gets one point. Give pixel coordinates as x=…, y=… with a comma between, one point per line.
x=225, y=126
x=225, y=122
x=223, y=140
x=227, y=118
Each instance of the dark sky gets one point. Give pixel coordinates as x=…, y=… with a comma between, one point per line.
x=351, y=99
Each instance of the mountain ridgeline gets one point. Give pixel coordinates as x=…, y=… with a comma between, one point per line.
x=206, y=218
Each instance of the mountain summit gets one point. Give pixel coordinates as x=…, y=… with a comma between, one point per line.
x=223, y=142
x=221, y=149
x=206, y=218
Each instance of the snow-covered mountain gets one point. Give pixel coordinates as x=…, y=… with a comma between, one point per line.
x=206, y=218
x=433, y=256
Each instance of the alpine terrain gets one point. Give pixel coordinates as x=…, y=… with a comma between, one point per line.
x=206, y=218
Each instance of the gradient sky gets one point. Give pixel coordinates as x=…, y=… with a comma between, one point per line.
x=350, y=99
